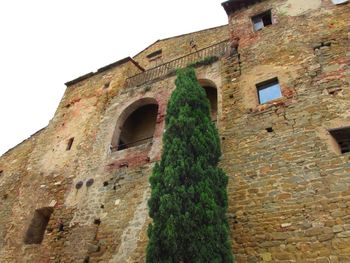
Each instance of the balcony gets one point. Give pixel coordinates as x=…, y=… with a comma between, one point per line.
x=214, y=51
x=123, y=146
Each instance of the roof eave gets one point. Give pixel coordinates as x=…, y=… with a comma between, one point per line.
x=113, y=65
x=232, y=6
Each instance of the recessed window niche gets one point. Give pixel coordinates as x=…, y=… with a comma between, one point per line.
x=268, y=90
x=37, y=227
x=262, y=20
x=342, y=137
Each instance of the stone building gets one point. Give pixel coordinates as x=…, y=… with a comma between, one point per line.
x=278, y=80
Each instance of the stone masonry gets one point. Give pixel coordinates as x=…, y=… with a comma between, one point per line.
x=289, y=183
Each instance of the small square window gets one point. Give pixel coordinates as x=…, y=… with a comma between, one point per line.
x=262, y=20
x=269, y=90
x=342, y=137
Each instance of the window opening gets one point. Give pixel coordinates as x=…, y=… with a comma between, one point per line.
x=262, y=20
x=155, y=56
x=69, y=144
x=342, y=137
x=37, y=227
x=139, y=127
x=213, y=100
x=268, y=90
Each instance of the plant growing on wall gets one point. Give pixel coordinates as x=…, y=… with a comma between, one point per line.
x=204, y=62
x=189, y=199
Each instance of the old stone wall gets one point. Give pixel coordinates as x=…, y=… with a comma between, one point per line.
x=97, y=195
x=178, y=46
x=44, y=173
x=289, y=186
x=13, y=167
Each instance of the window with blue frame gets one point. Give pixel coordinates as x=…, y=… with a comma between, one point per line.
x=269, y=90
x=262, y=20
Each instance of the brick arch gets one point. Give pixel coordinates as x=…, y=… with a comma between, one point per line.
x=127, y=112
x=207, y=82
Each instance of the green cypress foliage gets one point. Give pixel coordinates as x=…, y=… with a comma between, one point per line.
x=188, y=199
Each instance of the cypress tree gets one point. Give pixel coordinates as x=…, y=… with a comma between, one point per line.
x=188, y=199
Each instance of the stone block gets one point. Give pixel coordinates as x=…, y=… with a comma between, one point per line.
x=266, y=257
x=344, y=234
x=325, y=237
x=337, y=228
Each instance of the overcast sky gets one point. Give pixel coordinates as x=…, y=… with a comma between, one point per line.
x=45, y=43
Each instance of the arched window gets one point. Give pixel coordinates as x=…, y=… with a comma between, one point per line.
x=136, y=125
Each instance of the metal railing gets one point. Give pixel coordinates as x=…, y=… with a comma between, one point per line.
x=216, y=50
x=123, y=146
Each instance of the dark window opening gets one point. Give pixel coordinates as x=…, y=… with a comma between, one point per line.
x=155, y=55
x=139, y=127
x=37, y=227
x=262, y=20
x=69, y=144
x=121, y=145
x=212, y=96
x=342, y=137
x=268, y=90
x=1, y=172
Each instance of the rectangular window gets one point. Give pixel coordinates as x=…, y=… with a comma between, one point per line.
x=155, y=55
x=342, y=137
x=268, y=90
x=37, y=227
x=262, y=20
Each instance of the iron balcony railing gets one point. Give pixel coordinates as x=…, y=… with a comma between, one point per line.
x=216, y=50
x=124, y=146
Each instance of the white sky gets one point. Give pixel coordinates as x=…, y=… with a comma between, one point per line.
x=45, y=43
